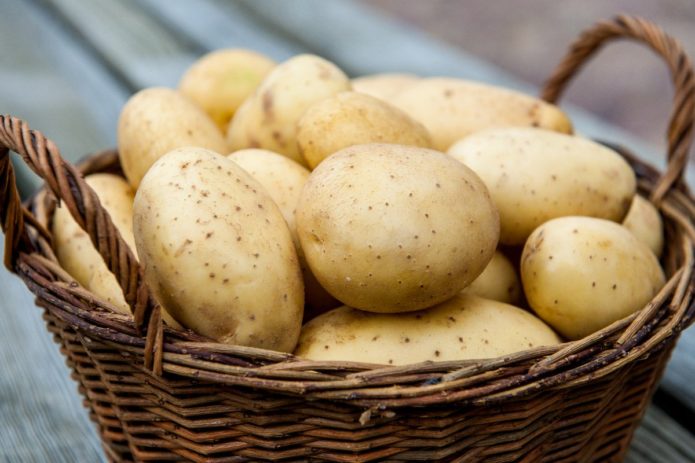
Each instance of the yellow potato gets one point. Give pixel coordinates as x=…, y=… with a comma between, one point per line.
x=157, y=120
x=383, y=86
x=462, y=328
x=498, y=281
x=78, y=256
x=284, y=179
x=580, y=274
x=351, y=118
x=535, y=175
x=644, y=221
x=394, y=228
x=452, y=109
x=74, y=249
x=268, y=118
x=217, y=252
x=221, y=80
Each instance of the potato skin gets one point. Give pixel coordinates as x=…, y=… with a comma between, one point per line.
x=284, y=179
x=157, y=120
x=462, y=328
x=581, y=274
x=217, y=252
x=351, y=118
x=452, y=109
x=498, y=282
x=395, y=228
x=536, y=175
x=383, y=86
x=74, y=249
x=221, y=80
x=268, y=118
x=644, y=221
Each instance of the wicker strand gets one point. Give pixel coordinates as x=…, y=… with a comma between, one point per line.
x=680, y=129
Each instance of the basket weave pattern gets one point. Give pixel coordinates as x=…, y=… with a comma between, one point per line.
x=160, y=394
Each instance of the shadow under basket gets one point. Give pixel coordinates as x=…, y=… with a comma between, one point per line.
x=159, y=394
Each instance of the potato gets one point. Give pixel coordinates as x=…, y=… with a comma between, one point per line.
x=383, y=86
x=350, y=118
x=464, y=327
x=498, y=281
x=581, y=274
x=394, y=228
x=217, y=252
x=644, y=221
x=157, y=120
x=221, y=80
x=74, y=249
x=452, y=109
x=78, y=256
x=283, y=179
x=268, y=118
x=536, y=175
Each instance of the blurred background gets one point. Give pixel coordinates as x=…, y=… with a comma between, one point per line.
x=626, y=85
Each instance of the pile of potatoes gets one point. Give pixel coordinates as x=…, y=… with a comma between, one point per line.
x=387, y=219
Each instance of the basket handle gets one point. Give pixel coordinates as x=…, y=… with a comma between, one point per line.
x=66, y=183
x=680, y=129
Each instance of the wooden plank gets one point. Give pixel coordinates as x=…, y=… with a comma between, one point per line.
x=42, y=414
x=659, y=439
x=137, y=46
x=209, y=26
x=58, y=89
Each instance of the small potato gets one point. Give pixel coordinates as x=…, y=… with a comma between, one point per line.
x=217, y=252
x=463, y=328
x=284, y=179
x=580, y=274
x=221, y=80
x=74, y=249
x=268, y=118
x=393, y=228
x=536, y=175
x=452, y=109
x=157, y=120
x=644, y=221
x=498, y=281
x=351, y=118
x=383, y=86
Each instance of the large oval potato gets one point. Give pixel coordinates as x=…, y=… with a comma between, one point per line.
x=464, y=327
x=580, y=274
x=644, y=221
x=452, y=109
x=536, y=175
x=284, y=179
x=157, y=120
x=74, y=249
x=221, y=80
x=351, y=118
x=217, y=252
x=268, y=118
x=498, y=281
x=395, y=228
x=383, y=86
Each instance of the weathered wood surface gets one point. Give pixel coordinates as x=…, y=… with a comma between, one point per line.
x=67, y=66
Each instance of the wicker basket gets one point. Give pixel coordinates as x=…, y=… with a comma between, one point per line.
x=161, y=394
